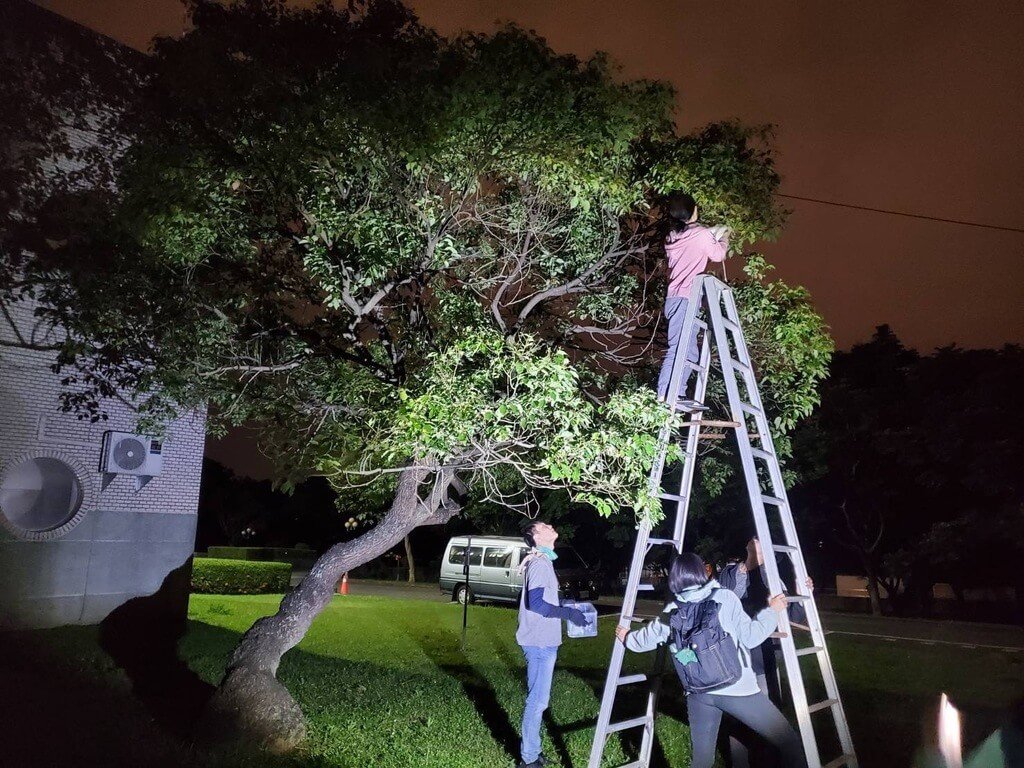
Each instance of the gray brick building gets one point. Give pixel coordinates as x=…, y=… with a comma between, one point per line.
x=76, y=543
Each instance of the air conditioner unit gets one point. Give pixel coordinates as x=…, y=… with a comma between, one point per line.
x=128, y=454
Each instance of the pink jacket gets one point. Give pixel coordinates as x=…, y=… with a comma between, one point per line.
x=688, y=255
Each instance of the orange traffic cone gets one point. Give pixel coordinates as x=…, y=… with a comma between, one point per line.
x=343, y=589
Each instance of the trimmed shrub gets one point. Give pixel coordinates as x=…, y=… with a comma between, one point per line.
x=218, y=576
x=299, y=557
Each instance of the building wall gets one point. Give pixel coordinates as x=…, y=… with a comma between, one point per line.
x=123, y=542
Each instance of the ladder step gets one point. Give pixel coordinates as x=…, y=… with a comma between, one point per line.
x=660, y=542
x=671, y=497
x=809, y=651
x=630, y=679
x=773, y=500
x=750, y=408
x=826, y=704
x=785, y=548
x=841, y=760
x=763, y=455
x=741, y=366
x=798, y=598
x=644, y=587
x=712, y=423
x=731, y=325
x=636, y=722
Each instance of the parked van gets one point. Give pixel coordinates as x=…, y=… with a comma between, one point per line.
x=494, y=570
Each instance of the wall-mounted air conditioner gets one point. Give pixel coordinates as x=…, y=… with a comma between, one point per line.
x=128, y=454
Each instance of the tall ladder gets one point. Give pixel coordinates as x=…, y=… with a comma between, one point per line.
x=750, y=424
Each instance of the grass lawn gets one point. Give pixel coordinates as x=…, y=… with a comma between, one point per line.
x=386, y=684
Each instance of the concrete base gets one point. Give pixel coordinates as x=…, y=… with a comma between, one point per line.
x=109, y=558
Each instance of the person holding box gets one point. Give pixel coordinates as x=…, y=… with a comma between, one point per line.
x=540, y=633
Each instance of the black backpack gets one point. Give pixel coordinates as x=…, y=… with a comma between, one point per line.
x=710, y=658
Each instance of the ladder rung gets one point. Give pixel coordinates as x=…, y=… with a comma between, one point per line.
x=826, y=704
x=750, y=408
x=741, y=366
x=630, y=679
x=764, y=455
x=671, y=497
x=809, y=651
x=701, y=324
x=660, y=542
x=636, y=722
x=730, y=325
x=712, y=423
x=773, y=500
x=788, y=548
x=841, y=760
x=798, y=598
x=644, y=587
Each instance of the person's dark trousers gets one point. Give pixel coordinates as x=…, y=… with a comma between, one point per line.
x=746, y=748
x=540, y=668
x=675, y=313
x=705, y=712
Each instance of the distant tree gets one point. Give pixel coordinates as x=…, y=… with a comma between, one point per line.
x=854, y=438
x=911, y=464
x=430, y=264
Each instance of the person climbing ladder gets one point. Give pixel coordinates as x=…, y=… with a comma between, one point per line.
x=689, y=246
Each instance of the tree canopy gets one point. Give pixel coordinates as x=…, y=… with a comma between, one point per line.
x=390, y=245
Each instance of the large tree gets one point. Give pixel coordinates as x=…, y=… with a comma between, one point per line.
x=428, y=263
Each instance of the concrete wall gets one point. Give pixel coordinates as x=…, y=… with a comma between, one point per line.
x=122, y=542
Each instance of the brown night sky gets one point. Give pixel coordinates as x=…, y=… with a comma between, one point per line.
x=900, y=105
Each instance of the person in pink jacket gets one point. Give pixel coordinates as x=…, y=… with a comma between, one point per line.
x=689, y=247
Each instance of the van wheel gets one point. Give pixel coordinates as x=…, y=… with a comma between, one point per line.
x=462, y=594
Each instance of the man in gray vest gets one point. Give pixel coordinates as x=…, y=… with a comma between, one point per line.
x=540, y=632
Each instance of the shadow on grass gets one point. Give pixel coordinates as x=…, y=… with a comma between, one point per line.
x=475, y=685
x=64, y=701
x=142, y=636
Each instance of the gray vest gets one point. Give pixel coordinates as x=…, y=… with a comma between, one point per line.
x=534, y=629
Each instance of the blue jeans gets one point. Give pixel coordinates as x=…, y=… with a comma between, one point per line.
x=540, y=666
x=675, y=311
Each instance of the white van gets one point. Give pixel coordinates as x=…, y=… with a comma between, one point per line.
x=494, y=570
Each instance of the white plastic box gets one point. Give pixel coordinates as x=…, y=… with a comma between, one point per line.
x=587, y=630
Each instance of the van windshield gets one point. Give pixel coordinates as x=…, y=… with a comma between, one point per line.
x=569, y=560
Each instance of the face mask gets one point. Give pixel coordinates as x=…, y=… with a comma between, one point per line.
x=549, y=552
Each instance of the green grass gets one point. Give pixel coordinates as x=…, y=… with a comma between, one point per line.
x=385, y=683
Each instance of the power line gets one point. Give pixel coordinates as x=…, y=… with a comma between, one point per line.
x=961, y=222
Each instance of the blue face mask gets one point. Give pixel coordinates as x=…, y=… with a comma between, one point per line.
x=549, y=552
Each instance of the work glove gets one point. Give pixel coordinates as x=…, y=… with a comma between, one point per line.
x=576, y=616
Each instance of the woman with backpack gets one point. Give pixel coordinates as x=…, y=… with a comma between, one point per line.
x=710, y=637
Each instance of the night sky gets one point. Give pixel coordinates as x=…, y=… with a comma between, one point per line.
x=899, y=105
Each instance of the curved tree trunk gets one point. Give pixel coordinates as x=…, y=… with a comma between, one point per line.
x=410, y=560
x=250, y=700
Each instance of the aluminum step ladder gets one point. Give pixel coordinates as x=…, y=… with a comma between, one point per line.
x=714, y=300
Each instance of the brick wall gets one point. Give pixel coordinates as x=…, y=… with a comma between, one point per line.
x=123, y=542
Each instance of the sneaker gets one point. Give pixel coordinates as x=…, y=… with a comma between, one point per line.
x=540, y=762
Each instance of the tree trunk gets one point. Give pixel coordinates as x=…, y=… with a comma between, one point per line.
x=250, y=701
x=872, y=575
x=411, y=561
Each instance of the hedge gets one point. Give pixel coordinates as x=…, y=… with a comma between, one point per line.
x=217, y=576
x=291, y=555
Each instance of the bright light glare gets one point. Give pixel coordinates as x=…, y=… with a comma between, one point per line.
x=949, y=734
